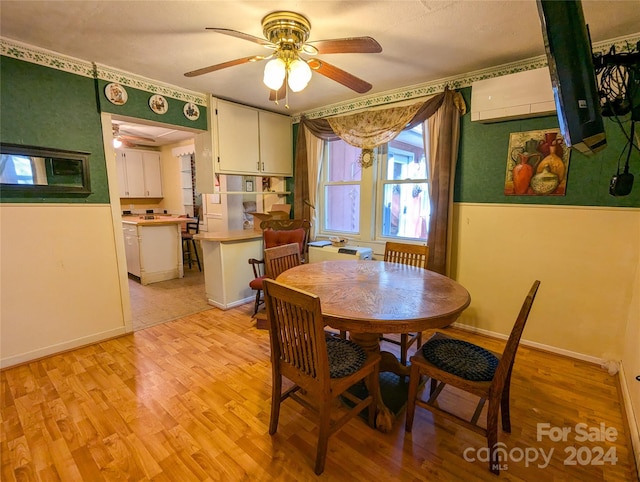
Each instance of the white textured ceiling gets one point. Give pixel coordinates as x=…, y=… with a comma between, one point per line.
x=422, y=40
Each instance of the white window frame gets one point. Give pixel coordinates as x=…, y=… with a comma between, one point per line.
x=371, y=197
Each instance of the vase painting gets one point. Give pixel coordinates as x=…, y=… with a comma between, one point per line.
x=537, y=164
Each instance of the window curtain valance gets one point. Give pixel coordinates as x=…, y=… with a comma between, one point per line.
x=323, y=129
x=367, y=130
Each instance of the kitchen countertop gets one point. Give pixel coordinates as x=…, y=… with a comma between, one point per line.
x=158, y=221
x=222, y=236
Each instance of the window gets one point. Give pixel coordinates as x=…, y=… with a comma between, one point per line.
x=341, y=190
x=404, y=187
x=394, y=191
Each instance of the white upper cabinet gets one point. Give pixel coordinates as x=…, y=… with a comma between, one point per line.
x=243, y=141
x=276, y=144
x=237, y=138
x=139, y=173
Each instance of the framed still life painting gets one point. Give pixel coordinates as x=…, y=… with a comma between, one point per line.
x=537, y=164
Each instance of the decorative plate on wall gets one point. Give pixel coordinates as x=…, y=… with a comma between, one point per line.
x=158, y=104
x=116, y=94
x=191, y=111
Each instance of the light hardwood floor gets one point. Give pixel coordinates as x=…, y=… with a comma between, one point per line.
x=189, y=400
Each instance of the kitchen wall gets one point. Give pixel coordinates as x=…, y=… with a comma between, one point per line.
x=584, y=244
x=586, y=258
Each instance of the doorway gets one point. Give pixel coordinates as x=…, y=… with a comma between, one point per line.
x=148, y=305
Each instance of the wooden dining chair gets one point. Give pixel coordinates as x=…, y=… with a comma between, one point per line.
x=321, y=367
x=413, y=255
x=274, y=229
x=473, y=369
x=281, y=258
x=277, y=233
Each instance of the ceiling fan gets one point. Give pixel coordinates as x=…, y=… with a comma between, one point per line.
x=286, y=33
x=121, y=138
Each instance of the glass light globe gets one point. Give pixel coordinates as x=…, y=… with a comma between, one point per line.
x=299, y=75
x=117, y=143
x=274, y=73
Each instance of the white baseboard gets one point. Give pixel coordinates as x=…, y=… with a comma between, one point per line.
x=634, y=430
x=61, y=347
x=533, y=344
x=232, y=304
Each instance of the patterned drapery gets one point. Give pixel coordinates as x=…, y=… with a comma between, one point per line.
x=370, y=129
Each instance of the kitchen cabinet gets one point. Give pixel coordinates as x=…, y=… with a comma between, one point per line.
x=153, y=248
x=139, y=173
x=245, y=141
x=276, y=144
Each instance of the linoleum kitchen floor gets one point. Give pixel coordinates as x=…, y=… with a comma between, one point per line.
x=167, y=300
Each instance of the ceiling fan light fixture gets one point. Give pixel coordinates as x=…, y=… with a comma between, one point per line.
x=274, y=73
x=299, y=75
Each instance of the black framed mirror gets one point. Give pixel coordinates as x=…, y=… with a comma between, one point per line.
x=39, y=170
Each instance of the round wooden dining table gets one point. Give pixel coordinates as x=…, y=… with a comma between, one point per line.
x=370, y=298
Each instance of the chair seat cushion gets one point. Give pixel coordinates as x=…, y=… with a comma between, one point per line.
x=256, y=283
x=345, y=357
x=461, y=358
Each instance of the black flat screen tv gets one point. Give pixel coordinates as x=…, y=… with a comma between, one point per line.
x=573, y=78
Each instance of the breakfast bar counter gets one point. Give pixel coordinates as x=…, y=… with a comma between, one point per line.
x=156, y=221
x=227, y=272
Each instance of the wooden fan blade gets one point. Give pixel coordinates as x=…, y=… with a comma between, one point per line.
x=132, y=137
x=126, y=143
x=352, y=45
x=279, y=94
x=243, y=36
x=224, y=65
x=339, y=75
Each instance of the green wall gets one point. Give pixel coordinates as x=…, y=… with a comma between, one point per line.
x=45, y=107
x=137, y=106
x=480, y=174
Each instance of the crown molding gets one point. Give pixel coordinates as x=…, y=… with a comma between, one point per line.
x=621, y=44
x=47, y=58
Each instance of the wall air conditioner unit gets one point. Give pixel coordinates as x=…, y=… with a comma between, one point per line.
x=514, y=96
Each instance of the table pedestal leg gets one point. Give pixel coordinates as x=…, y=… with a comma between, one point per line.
x=388, y=363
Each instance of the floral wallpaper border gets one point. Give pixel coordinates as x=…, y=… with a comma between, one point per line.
x=36, y=55
x=622, y=44
x=10, y=48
